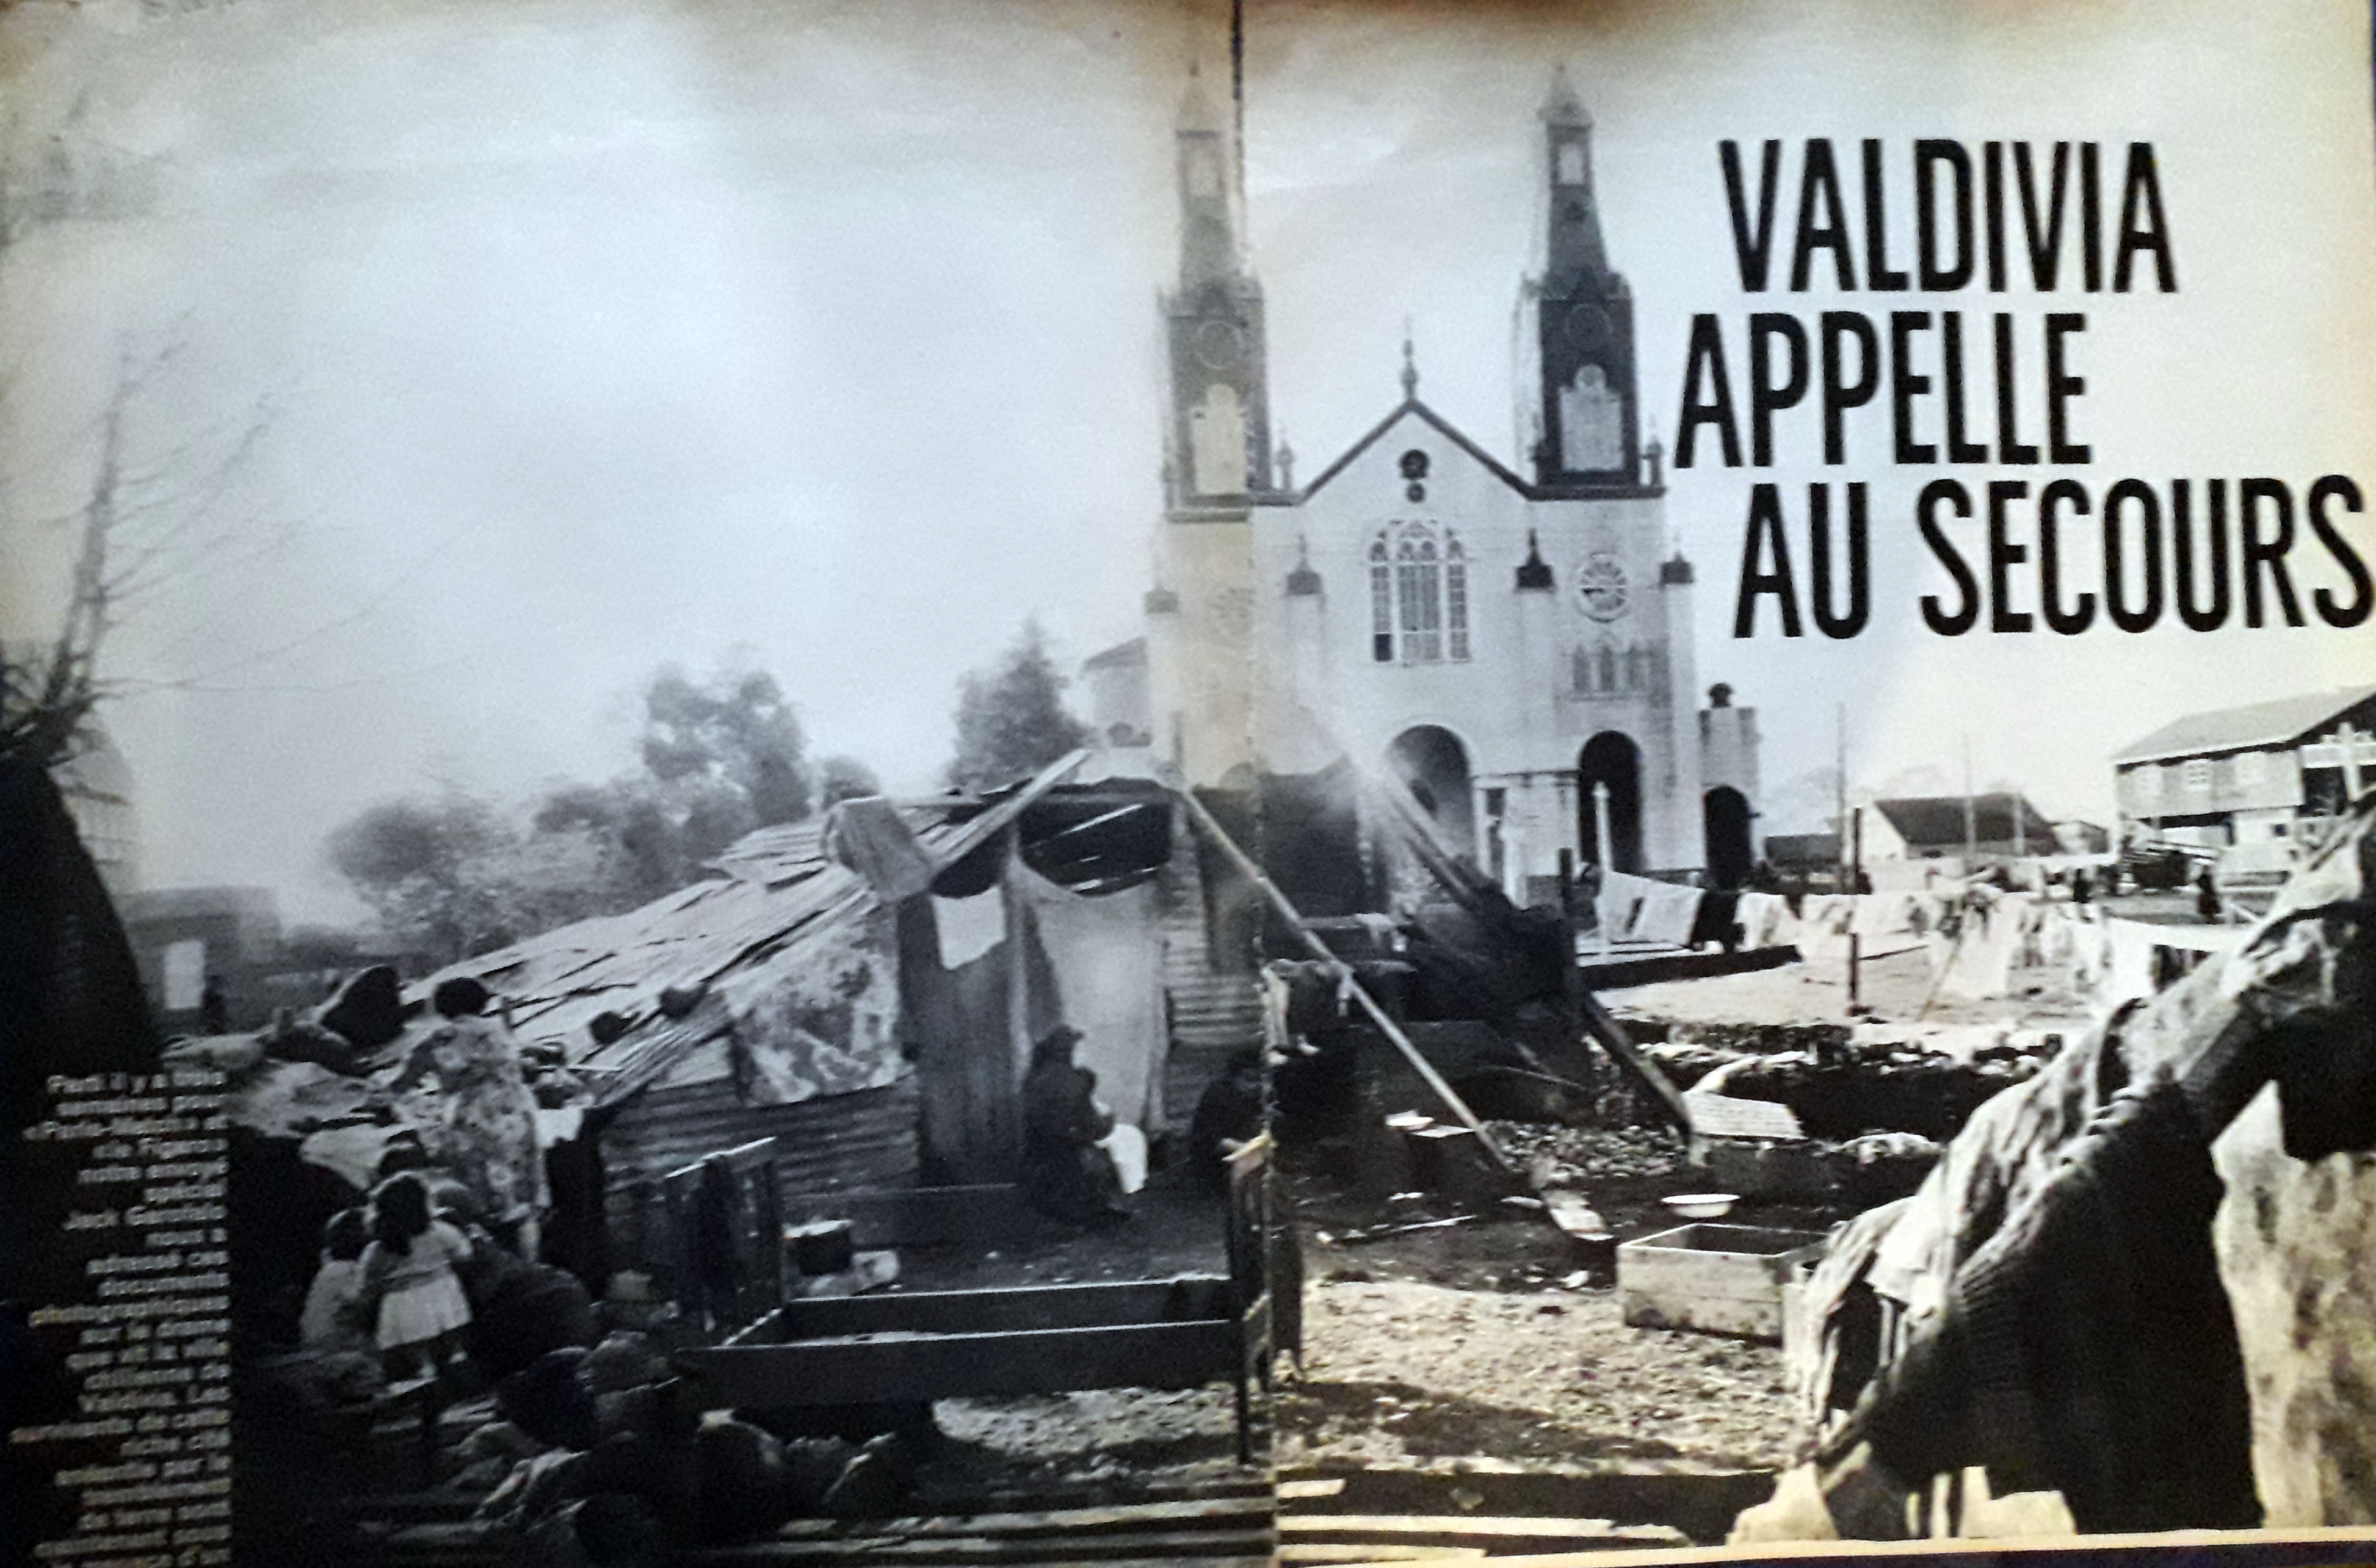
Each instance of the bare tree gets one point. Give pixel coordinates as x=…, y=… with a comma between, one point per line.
x=144, y=521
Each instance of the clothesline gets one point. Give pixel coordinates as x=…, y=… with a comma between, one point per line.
x=1980, y=942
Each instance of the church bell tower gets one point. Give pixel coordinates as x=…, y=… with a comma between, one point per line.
x=1217, y=469
x=1591, y=421
x=1219, y=442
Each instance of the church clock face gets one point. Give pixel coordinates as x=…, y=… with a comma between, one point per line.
x=1219, y=344
x=1587, y=327
x=1602, y=590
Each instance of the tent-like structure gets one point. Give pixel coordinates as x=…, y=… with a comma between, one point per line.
x=865, y=990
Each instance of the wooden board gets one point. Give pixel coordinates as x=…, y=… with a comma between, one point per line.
x=1189, y=1297
x=960, y=1366
x=1114, y=1518
x=1727, y=1116
x=1214, y=1548
x=1499, y=1535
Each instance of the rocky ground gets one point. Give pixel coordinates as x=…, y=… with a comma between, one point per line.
x=1551, y=1375
x=1436, y=1331
x=1121, y=1436
x=1449, y=1336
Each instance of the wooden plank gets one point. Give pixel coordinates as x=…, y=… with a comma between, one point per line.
x=1458, y=1529
x=1728, y=1116
x=1133, y=1546
x=1316, y=1552
x=962, y=1366
x=1612, y=1038
x=1188, y=1298
x=922, y=1217
x=973, y=834
x=1321, y=1486
x=1219, y=1511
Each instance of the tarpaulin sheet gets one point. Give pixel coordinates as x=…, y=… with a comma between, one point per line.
x=1107, y=956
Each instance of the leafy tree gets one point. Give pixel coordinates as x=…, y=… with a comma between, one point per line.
x=631, y=841
x=1011, y=718
x=845, y=778
x=735, y=729
x=437, y=872
x=720, y=756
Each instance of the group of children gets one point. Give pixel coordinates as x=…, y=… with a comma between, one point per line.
x=390, y=1280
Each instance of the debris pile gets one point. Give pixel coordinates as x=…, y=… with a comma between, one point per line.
x=609, y=1440
x=1844, y=1082
x=1587, y=1157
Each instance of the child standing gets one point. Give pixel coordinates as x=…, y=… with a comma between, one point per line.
x=409, y=1267
x=327, y=1324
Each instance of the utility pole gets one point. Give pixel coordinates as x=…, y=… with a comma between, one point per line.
x=1856, y=884
x=1971, y=820
x=1840, y=795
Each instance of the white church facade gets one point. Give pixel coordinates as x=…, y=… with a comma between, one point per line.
x=1505, y=636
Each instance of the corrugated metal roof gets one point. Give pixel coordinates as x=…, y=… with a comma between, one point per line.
x=787, y=952
x=1937, y=820
x=779, y=903
x=2275, y=722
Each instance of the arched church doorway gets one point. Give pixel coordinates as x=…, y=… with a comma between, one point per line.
x=1724, y=810
x=1612, y=759
x=1433, y=763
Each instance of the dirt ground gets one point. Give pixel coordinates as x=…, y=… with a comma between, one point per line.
x=1442, y=1333
x=1436, y=1330
x=1117, y=1441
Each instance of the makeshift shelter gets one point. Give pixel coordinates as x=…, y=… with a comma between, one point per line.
x=1932, y=825
x=865, y=990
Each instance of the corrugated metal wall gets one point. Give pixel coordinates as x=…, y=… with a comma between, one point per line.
x=865, y=1139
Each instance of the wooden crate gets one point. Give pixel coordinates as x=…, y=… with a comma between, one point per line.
x=1716, y=1278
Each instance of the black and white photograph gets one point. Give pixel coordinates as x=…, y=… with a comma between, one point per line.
x=1223, y=781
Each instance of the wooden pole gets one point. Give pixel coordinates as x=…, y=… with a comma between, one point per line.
x=1612, y=1038
x=1321, y=950
x=1601, y=847
x=1971, y=818
x=1855, y=886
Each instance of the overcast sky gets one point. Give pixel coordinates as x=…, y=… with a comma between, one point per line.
x=586, y=336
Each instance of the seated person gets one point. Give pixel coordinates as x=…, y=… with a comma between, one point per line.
x=1067, y=1172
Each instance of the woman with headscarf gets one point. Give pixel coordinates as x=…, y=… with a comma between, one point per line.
x=1066, y=1171
x=463, y=1086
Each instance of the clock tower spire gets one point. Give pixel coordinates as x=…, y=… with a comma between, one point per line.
x=1591, y=425
x=1219, y=442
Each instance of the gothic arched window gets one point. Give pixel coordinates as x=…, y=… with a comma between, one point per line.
x=1419, y=595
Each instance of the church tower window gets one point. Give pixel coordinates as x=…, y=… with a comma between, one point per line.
x=1217, y=441
x=1419, y=595
x=1455, y=598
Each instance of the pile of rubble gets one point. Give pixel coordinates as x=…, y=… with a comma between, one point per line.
x=1843, y=1082
x=1587, y=1157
